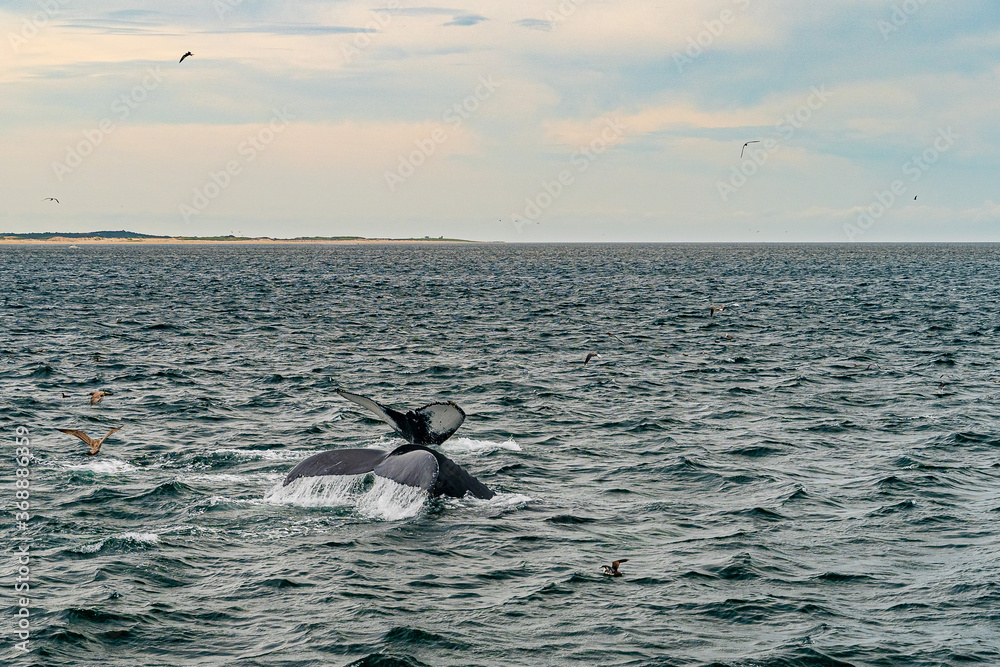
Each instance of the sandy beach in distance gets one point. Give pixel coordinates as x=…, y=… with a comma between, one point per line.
x=62, y=240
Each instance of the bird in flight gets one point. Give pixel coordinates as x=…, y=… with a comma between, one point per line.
x=590, y=355
x=612, y=570
x=98, y=396
x=715, y=309
x=95, y=445
x=755, y=141
x=185, y=56
x=51, y=199
x=615, y=336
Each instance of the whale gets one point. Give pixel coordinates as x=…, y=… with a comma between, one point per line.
x=413, y=464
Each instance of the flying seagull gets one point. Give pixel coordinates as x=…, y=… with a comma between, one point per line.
x=98, y=396
x=755, y=141
x=715, y=309
x=612, y=570
x=95, y=445
x=615, y=336
x=51, y=199
x=185, y=56
x=590, y=355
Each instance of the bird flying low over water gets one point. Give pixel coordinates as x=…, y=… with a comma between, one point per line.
x=755, y=141
x=51, y=199
x=185, y=56
x=95, y=445
x=590, y=355
x=98, y=396
x=612, y=570
x=715, y=309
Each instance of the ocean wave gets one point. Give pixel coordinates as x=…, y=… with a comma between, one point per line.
x=259, y=454
x=122, y=542
x=237, y=478
x=470, y=446
x=104, y=466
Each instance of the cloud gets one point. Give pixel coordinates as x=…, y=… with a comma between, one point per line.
x=466, y=20
x=536, y=24
x=368, y=79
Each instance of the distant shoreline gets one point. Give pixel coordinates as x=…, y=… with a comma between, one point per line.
x=177, y=240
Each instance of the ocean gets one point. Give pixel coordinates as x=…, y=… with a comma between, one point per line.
x=808, y=477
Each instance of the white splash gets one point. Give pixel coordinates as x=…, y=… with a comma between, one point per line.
x=325, y=491
x=262, y=454
x=390, y=501
x=130, y=539
x=384, y=500
x=104, y=466
x=500, y=503
x=478, y=447
x=190, y=529
x=509, y=500
x=220, y=500
x=245, y=478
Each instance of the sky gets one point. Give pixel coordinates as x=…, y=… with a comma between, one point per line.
x=517, y=121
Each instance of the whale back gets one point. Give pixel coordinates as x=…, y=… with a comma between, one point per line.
x=416, y=467
x=411, y=465
x=338, y=462
x=454, y=481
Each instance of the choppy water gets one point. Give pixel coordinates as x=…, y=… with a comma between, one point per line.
x=808, y=478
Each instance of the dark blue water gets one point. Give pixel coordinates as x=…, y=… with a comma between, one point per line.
x=808, y=478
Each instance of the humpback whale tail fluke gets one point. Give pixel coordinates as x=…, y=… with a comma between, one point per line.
x=413, y=464
x=430, y=425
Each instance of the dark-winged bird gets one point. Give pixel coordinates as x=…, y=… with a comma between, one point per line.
x=185, y=56
x=612, y=570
